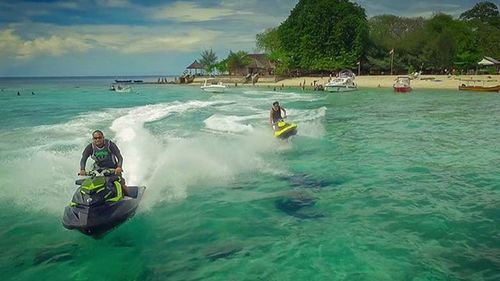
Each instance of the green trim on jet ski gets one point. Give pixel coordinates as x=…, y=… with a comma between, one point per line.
x=93, y=184
x=119, y=194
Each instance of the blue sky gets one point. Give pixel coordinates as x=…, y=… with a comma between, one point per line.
x=148, y=37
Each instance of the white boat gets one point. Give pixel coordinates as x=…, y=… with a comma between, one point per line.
x=344, y=82
x=212, y=87
x=120, y=88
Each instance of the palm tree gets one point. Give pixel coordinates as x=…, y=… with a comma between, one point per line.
x=221, y=66
x=237, y=61
x=208, y=60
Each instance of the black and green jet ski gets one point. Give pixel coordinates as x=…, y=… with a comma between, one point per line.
x=285, y=130
x=101, y=203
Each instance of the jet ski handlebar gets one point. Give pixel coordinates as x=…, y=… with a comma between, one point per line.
x=100, y=172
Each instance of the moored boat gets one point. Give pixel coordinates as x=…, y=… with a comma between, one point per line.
x=344, y=82
x=402, y=84
x=213, y=87
x=475, y=88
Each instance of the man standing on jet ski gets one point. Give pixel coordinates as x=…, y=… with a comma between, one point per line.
x=104, y=152
x=275, y=114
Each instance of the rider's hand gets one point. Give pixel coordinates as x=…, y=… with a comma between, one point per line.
x=118, y=171
x=82, y=173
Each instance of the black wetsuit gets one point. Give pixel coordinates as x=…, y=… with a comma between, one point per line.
x=108, y=156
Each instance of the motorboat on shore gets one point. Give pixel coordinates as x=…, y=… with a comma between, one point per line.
x=402, y=84
x=344, y=82
x=210, y=85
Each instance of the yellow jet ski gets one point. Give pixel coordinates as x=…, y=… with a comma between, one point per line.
x=285, y=130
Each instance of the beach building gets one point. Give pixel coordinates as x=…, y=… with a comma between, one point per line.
x=488, y=61
x=260, y=64
x=196, y=66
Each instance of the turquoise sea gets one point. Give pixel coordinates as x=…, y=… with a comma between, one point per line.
x=375, y=186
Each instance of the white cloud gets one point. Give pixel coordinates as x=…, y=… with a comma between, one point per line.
x=54, y=46
x=122, y=39
x=191, y=12
x=12, y=45
x=155, y=43
x=8, y=41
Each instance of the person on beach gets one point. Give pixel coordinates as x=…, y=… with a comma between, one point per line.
x=104, y=152
x=275, y=115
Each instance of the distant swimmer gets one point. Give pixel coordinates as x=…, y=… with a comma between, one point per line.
x=18, y=93
x=33, y=93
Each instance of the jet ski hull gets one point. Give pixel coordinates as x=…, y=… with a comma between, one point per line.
x=286, y=131
x=95, y=221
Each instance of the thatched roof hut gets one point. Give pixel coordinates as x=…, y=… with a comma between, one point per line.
x=259, y=63
x=195, y=65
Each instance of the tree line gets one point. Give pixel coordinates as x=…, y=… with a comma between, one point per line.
x=325, y=35
x=331, y=35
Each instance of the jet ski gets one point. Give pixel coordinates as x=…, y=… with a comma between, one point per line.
x=101, y=203
x=285, y=130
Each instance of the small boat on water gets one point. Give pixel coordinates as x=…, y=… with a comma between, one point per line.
x=210, y=85
x=128, y=81
x=474, y=88
x=344, y=82
x=402, y=85
x=479, y=88
x=120, y=88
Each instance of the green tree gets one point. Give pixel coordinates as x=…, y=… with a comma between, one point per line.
x=236, y=62
x=440, y=47
x=269, y=40
x=403, y=35
x=484, y=19
x=484, y=12
x=324, y=34
x=281, y=60
x=208, y=60
x=221, y=66
x=390, y=31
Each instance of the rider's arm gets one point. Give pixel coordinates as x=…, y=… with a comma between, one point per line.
x=271, y=117
x=284, y=112
x=85, y=155
x=116, y=151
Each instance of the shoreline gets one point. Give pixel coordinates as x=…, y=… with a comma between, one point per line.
x=443, y=82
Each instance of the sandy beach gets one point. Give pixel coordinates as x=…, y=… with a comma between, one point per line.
x=372, y=81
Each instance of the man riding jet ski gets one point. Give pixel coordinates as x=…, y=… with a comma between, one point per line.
x=102, y=201
x=281, y=129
